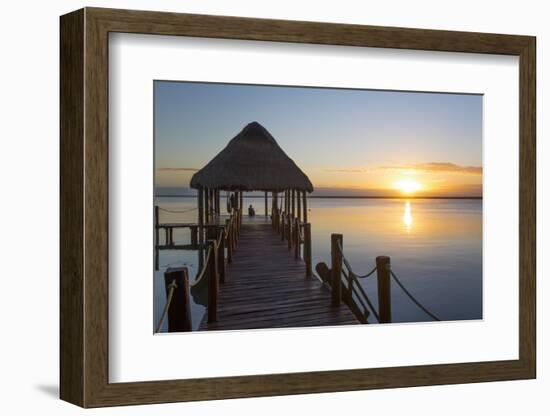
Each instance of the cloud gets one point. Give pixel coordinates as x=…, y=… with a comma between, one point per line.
x=359, y=170
x=438, y=167
x=177, y=170
x=430, y=167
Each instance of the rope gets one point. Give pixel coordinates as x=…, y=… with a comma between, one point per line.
x=362, y=291
x=348, y=265
x=171, y=211
x=411, y=297
x=204, y=267
x=171, y=288
x=365, y=275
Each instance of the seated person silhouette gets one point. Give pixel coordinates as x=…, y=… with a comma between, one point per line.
x=251, y=211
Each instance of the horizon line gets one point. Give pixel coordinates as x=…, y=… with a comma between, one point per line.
x=344, y=197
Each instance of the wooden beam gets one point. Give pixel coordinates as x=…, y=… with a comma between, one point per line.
x=200, y=203
x=307, y=248
x=221, y=256
x=305, y=205
x=383, y=269
x=241, y=201
x=179, y=310
x=213, y=282
x=299, y=203
x=336, y=269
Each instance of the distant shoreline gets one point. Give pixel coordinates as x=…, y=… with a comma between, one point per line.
x=345, y=197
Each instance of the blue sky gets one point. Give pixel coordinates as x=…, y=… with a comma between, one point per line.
x=346, y=139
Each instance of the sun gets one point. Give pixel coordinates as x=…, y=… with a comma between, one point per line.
x=408, y=186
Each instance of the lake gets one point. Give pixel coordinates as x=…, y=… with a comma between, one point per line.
x=435, y=246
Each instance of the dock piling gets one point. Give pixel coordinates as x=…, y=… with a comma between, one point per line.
x=221, y=255
x=383, y=270
x=307, y=248
x=297, y=238
x=213, y=282
x=179, y=310
x=336, y=268
x=229, y=243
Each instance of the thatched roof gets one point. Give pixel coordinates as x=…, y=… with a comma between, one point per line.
x=252, y=161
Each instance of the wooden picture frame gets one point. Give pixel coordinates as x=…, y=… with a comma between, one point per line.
x=84, y=207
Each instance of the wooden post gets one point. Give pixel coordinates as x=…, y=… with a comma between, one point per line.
x=236, y=229
x=179, y=311
x=240, y=206
x=286, y=202
x=213, y=282
x=214, y=202
x=200, y=201
x=236, y=222
x=265, y=203
x=194, y=235
x=336, y=268
x=229, y=244
x=217, y=196
x=156, y=237
x=293, y=203
x=210, y=205
x=305, y=206
x=283, y=227
x=289, y=230
x=307, y=248
x=296, y=238
x=383, y=269
x=299, y=203
x=207, y=205
x=221, y=256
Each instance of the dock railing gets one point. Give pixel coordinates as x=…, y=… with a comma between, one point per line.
x=197, y=233
x=217, y=253
x=296, y=233
x=346, y=287
x=178, y=306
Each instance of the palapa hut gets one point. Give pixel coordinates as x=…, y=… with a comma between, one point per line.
x=251, y=161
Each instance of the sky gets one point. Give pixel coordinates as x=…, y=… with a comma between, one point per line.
x=349, y=142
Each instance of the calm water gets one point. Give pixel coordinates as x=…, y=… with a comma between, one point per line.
x=435, y=248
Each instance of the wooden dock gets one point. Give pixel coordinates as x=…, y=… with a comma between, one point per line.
x=257, y=272
x=266, y=287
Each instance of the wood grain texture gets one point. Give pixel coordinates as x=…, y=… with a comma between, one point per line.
x=266, y=287
x=71, y=213
x=84, y=206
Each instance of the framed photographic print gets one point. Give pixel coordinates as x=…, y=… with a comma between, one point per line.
x=256, y=207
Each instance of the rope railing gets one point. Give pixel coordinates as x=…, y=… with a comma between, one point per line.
x=412, y=298
x=171, y=288
x=361, y=294
x=202, y=273
x=351, y=277
x=348, y=265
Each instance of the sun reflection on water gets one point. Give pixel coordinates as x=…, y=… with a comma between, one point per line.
x=407, y=216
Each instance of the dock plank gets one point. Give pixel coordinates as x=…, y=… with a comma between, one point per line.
x=266, y=287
